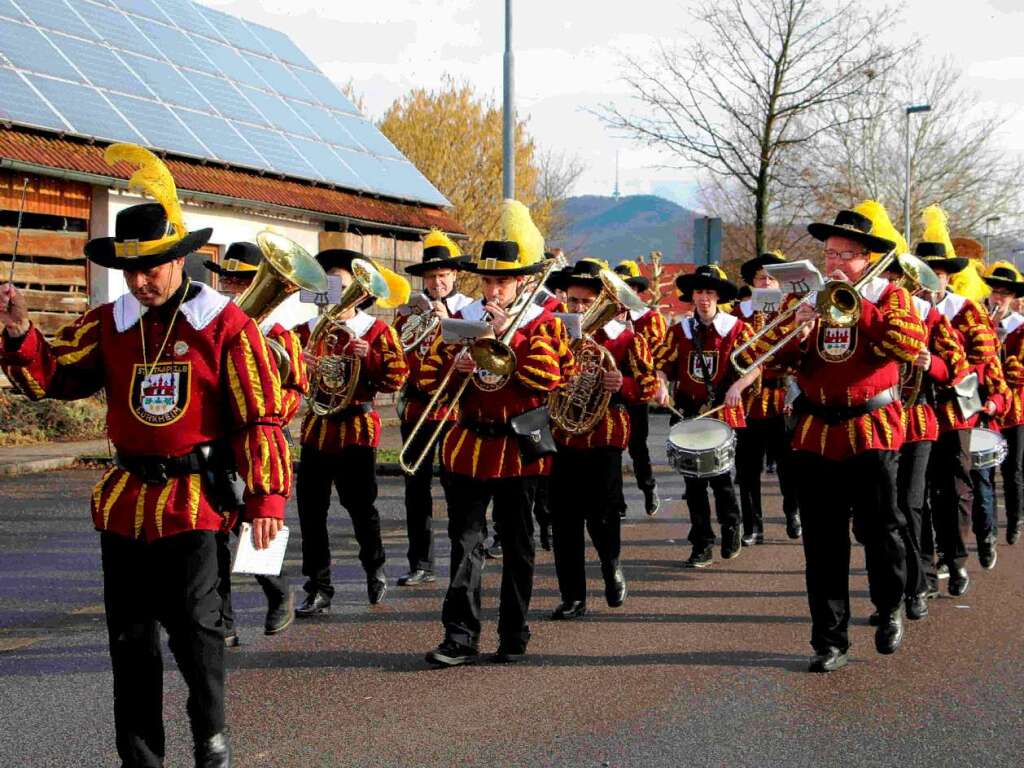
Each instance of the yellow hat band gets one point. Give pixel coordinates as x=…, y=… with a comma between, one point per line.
x=133, y=249
x=234, y=265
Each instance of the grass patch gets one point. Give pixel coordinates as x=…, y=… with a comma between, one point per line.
x=23, y=421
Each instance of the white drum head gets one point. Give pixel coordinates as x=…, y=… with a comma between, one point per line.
x=699, y=434
x=984, y=440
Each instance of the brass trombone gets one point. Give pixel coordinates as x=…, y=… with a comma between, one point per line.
x=838, y=304
x=491, y=354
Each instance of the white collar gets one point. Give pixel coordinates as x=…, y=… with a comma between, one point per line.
x=922, y=306
x=457, y=301
x=361, y=323
x=723, y=323
x=951, y=304
x=199, y=311
x=747, y=307
x=636, y=314
x=613, y=329
x=873, y=290
x=1011, y=322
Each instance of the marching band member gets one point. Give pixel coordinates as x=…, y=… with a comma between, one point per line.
x=848, y=432
x=340, y=449
x=696, y=356
x=650, y=324
x=586, y=477
x=236, y=273
x=952, y=481
x=764, y=437
x=192, y=393
x=1007, y=284
x=487, y=456
x=442, y=261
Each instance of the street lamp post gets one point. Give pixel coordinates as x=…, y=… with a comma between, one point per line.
x=508, y=167
x=988, y=233
x=906, y=193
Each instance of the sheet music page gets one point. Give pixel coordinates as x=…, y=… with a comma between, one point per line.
x=263, y=562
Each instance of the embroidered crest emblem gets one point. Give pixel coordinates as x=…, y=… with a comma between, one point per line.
x=695, y=370
x=180, y=348
x=487, y=381
x=836, y=344
x=161, y=397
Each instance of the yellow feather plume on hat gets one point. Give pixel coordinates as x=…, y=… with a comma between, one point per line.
x=151, y=177
x=518, y=226
x=628, y=267
x=399, y=289
x=967, y=282
x=436, y=237
x=936, y=229
x=1004, y=265
x=881, y=225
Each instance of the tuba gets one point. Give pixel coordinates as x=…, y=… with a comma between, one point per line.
x=286, y=267
x=578, y=406
x=422, y=322
x=333, y=375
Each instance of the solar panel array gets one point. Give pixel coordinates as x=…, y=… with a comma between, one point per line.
x=177, y=76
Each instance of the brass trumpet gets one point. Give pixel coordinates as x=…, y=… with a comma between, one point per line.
x=838, y=304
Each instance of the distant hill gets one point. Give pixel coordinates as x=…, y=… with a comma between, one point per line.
x=619, y=228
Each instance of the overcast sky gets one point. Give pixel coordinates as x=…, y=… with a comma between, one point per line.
x=566, y=61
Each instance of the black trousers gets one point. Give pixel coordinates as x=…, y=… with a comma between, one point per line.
x=353, y=474
x=274, y=587
x=760, y=440
x=829, y=490
x=1012, y=470
x=911, y=485
x=513, y=512
x=170, y=582
x=639, y=427
x=952, y=495
x=419, y=506
x=726, y=508
x=542, y=499
x=586, y=487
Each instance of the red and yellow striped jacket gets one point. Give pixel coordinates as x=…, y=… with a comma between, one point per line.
x=767, y=398
x=294, y=385
x=214, y=381
x=948, y=365
x=639, y=384
x=840, y=367
x=650, y=324
x=1013, y=369
x=382, y=370
x=543, y=358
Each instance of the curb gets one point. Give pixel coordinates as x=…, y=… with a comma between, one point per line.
x=37, y=465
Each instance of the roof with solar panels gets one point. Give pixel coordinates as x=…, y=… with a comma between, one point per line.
x=199, y=86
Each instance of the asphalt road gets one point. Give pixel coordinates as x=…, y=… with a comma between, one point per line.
x=697, y=668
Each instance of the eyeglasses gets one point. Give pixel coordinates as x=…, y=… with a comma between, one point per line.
x=844, y=255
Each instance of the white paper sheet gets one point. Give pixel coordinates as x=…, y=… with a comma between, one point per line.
x=264, y=562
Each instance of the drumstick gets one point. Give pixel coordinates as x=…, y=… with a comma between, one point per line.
x=716, y=409
x=678, y=413
x=17, y=232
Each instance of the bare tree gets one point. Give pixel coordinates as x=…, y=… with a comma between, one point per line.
x=559, y=173
x=755, y=83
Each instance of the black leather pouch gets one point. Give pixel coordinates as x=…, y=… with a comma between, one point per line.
x=533, y=433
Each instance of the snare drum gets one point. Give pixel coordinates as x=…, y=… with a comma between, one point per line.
x=988, y=448
x=701, y=447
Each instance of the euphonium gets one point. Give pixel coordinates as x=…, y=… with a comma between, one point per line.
x=579, y=405
x=333, y=375
x=421, y=323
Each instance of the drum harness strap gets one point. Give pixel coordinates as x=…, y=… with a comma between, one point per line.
x=705, y=373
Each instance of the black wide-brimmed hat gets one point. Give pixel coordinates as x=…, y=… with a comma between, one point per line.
x=143, y=238
x=937, y=256
x=630, y=270
x=342, y=257
x=750, y=268
x=853, y=226
x=502, y=258
x=439, y=252
x=557, y=280
x=241, y=261
x=1004, y=275
x=708, y=277
x=585, y=273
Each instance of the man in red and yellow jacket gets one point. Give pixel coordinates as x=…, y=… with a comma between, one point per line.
x=586, y=478
x=339, y=449
x=192, y=392
x=486, y=459
x=650, y=325
x=849, y=429
x=439, y=270
x=696, y=358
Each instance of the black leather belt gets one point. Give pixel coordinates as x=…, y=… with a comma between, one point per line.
x=352, y=410
x=414, y=394
x=157, y=470
x=834, y=414
x=486, y=428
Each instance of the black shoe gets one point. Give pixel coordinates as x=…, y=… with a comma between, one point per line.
x=231, y=639
x=747, y=540
x=917, y=606
x=889, y=634
x=731, y=545
x=314, y=604
x=418, y=576
x=614, y=586
x=828, y=661
x=987, y=554
x=699, y=558
x=214, y=752
x=452, y=654
x=508, y=655
x=959, y=581
x=875, y=619
x=794, y=529
x=376, y=587
x=652, y=502
x=571, y=610
x=942, y=571
x=1013, y=532
x=545, y=537
x=280, y=612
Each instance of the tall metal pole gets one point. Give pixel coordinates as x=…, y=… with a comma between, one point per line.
x=906, y=193
x=508, y=113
